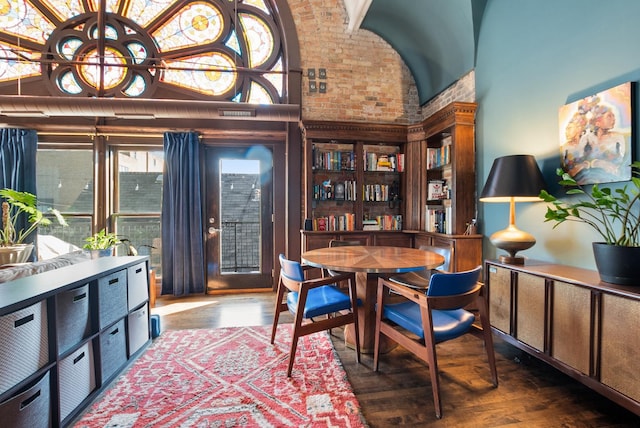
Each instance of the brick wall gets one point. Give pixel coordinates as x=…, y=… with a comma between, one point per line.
x=366, y=81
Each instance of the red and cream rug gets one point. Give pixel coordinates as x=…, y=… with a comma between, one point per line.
x=230, y=377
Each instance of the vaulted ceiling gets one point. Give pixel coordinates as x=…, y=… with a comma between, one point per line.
x=437, y=39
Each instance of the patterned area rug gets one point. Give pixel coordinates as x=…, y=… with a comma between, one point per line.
x=230, y=377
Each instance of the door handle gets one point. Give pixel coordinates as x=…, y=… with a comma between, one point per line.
x=213, y=230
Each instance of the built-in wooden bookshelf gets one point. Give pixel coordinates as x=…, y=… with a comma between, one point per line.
x=354, y=176
x=440, y=152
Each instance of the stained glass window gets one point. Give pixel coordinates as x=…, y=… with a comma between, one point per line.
x=227, y=50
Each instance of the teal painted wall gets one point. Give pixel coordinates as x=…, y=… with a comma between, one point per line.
x=532, y=58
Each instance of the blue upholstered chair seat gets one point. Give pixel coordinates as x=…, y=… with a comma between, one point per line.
x=446, y=324
x=320, y=301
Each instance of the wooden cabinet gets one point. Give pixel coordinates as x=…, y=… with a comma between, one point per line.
x=66, y=334
x=467, y=249
x=567, y=317
x=353, y=173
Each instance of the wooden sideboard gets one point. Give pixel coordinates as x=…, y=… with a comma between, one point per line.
x=568, y=318
x=65, y=335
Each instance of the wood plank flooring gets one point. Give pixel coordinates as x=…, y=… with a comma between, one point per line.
x=530, y=393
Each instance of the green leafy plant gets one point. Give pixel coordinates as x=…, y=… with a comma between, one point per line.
x=102, y=240
x=16, y=203
x=613, y=213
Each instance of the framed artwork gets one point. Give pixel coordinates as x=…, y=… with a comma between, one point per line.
x=595, y=136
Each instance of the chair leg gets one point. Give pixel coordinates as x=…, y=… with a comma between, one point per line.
x=294, y=341
x=488, y=339
x=292, y=354
x=379, y=306
x=302, y=301
x=433, y=372
x=354, y=311
x=276, y=311
x=431, y=358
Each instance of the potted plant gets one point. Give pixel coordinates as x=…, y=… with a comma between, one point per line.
x=101, y=243
x=614, y=214
x=15, y=204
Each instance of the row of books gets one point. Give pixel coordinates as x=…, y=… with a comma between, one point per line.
x=347, y=222
x=332, y=223
x=338, y=191
x=438, y=156
x=377, y=193
x=383, y=162
x=389, y=222
x=438, y=219
x=333, y=160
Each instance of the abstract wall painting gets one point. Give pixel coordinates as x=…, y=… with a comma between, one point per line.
x=595, y=136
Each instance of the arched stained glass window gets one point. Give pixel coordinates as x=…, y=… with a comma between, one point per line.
x=225, y=50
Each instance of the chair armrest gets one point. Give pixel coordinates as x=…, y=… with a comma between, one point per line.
x=318, y=282
x=415, y=295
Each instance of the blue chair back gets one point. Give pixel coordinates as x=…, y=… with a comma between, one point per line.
x=446, y=252
x=291, y=269
x=447, y=284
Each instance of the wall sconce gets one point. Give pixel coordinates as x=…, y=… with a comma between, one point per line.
x=515, y=178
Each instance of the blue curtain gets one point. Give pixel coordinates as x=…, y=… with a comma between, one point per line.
x=182, y=226
x=18, y=149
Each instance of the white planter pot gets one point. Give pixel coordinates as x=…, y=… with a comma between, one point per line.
x=15, y=254
x=107, y=252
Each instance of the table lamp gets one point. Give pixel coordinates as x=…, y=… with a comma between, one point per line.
x=515, y=178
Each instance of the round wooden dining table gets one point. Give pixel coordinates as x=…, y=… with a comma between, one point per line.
x=369, y=262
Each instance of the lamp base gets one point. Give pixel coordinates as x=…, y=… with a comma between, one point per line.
x=511, y=260
x=512, y=240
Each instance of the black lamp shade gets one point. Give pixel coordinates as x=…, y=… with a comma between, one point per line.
x=516, y=176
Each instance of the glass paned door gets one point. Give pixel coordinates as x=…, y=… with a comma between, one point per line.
x=239, y=238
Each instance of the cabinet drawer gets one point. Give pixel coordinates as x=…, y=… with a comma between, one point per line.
x=29, y=408
x=113, y=350
x=112, y=298
x=24, y=344
x=137, y=285
x=138, y=329
x=77, y=380
x=72, y=317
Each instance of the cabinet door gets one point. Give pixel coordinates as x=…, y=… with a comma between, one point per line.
x=620, y=347
x=530, y=310
x=500, y=298
x=317, y=240
x=393, y=239
x=571, y=325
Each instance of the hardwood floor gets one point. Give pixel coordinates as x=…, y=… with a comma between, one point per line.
x=530, y=393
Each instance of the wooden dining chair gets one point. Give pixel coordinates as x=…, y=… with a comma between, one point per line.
x=420, y=279
x=424, y=319
x=317, y=304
